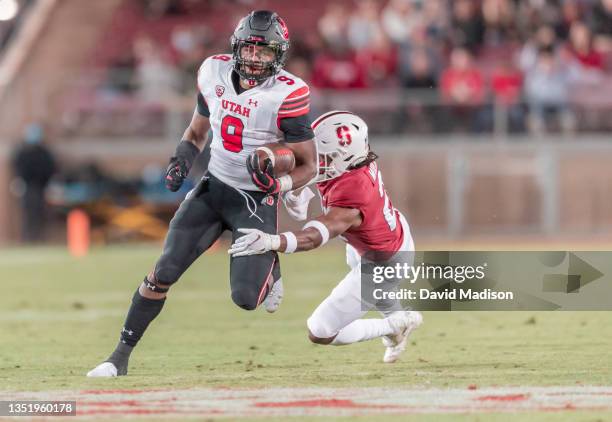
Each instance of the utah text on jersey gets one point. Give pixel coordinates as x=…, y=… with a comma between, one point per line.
x=242, y=122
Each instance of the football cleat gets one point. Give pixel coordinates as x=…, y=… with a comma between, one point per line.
x=275, y=297
x=403, y=323
x=104, y=370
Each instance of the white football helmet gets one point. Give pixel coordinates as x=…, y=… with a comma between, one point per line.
x=342, y=142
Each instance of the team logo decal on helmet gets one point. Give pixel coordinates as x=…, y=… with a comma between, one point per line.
x=259, y=46
x=342, y=143
x=284, y=29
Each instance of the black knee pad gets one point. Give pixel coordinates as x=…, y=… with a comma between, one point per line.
x=167, y=274
x=246, y=300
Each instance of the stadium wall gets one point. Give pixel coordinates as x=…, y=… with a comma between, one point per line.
x=449, y=188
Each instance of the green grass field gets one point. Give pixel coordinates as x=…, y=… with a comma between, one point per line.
x=60, y=316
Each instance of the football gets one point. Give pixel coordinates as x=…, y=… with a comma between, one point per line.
x=283, y=160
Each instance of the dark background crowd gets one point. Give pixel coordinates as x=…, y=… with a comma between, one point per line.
x=459, y=58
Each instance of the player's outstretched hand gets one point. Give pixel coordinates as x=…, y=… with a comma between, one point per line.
x=297, y=204
x=254, y=242
x=264, y=180
x=175, y=174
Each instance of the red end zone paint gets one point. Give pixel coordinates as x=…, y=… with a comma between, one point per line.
x=507, y=397
x=348, y=404
x=120, y=391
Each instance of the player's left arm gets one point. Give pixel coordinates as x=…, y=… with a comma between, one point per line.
x=305, y=170
x=295, y=123
x=315, y=233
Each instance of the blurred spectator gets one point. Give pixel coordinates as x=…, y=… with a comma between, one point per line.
x=399, y=18
x=570, y=14
x=156, y=9
x=581, y=47
x=34, y=165
x=468, y=27
x=188, y=44
x=547, y=12
x=379, y=59
x=544, y=38
x=333, y=25
x=462, y=83
x=157, y=78
x=419, y=61
x=385, y=43
x=546, y=91
x=498, y=17
x=506, y=84
x=363, y=24
x=337, y=68
x=463, y=89
x=435, y=19
x=418, y=69
x=602, y=25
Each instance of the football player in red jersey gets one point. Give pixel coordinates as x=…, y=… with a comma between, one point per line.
x=357, y=208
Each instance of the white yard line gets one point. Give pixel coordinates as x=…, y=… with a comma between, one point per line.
x=287, y=402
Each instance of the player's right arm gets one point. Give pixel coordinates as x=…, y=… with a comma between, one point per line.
x=320, y=230
x=197, y=130
x=314, y=234
x=192, y=143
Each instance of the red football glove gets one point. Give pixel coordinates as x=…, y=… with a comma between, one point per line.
x=264, y=180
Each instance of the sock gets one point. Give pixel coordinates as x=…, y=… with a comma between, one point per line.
x=141, y=313
x=120, y=358
x=362, y=330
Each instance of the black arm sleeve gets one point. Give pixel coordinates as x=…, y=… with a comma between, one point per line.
x=297, y=129
x=202, y=106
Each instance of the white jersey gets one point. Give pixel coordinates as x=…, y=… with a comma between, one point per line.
x=241, y=123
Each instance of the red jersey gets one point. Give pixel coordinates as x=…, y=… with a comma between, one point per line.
x=363, y=189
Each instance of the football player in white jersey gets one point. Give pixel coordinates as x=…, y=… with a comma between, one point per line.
x=247, y=100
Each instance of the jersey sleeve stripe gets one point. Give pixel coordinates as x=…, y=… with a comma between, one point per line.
x=300, y=92
x=295, y=112
x=293, y=106
x=296, y=99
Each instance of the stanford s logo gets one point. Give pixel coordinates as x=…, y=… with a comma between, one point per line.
x=344, y=135
x=219, y=90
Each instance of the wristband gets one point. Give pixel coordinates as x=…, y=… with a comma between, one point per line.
x=322, y=228
x=286, y=183
x=275, y=242
x=187, y=151
x=291, y=242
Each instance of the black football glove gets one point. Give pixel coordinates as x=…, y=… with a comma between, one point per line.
x=180, y=163
x=175, y=174
x=264, y=180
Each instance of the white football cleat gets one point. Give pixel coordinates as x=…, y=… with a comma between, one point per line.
x=405, y=322
x=275, y=296
x=104, y=370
